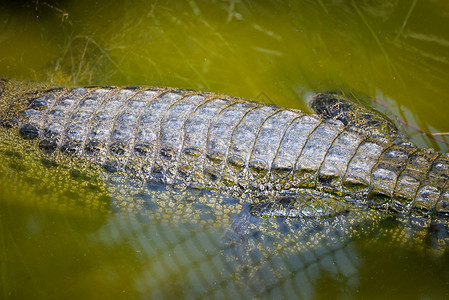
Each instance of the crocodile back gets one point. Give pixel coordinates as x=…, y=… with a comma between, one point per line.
x=197, y=139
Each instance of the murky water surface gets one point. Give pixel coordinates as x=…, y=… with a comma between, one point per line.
x=68, y=231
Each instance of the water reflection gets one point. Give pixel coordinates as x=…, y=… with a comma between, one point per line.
x=179, y=252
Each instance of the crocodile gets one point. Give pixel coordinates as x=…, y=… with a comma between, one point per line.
x=346, y=154
x=180, y=180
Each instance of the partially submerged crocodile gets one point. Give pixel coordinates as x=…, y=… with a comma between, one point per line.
x=115, y=162
x=346, y=153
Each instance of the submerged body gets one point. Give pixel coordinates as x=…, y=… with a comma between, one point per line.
x=203, y=140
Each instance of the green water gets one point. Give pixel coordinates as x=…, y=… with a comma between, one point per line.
x=393, y=55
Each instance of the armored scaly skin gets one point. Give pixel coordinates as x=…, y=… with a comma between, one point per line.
x=196, y=139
